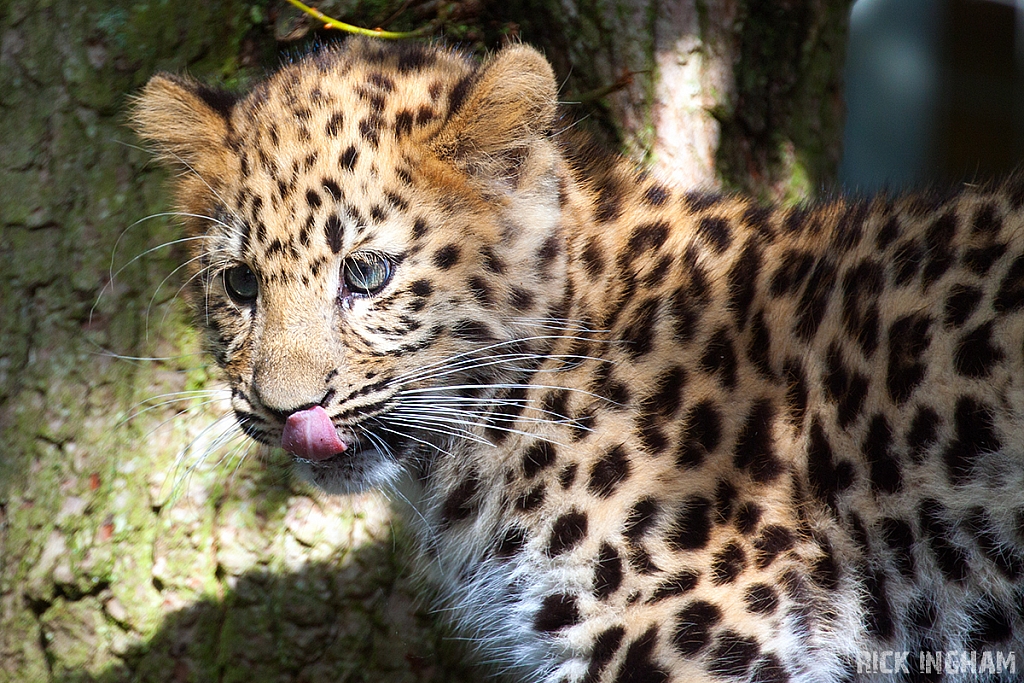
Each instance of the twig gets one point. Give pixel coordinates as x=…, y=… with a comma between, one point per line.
x=349, y=28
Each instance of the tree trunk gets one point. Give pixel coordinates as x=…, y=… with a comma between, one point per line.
x=125, y=554
x=717, y=94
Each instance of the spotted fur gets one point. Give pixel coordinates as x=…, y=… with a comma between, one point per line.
x=645, y=434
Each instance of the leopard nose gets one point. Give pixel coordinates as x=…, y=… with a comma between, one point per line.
x=283, y=402
x=294, y=356
x=286, y=388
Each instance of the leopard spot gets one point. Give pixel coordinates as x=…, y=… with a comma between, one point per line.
x=567, y=531
x=606, y=644
x=732, y=655
x=693, y=626
x=607, y=572
x=556, y=612
x=678, y=584
x=691, y=528
x=976, y=355
x=761, y=598
x=727, y=564
x=639, y=664
x=609, y=472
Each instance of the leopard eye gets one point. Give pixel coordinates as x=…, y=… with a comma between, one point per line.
x=241, y=284
x=367, y=272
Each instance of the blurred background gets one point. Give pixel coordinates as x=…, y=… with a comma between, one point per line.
x=934, y=92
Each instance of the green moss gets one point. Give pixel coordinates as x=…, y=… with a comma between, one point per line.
x=74, y=481
x=78, y=637
x=26, y=661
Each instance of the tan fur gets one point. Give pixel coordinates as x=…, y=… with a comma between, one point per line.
x=647, y=434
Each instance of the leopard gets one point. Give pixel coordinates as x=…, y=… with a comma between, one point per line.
x=637, y=433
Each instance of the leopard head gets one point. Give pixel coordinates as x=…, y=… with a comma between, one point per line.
x=374, y=230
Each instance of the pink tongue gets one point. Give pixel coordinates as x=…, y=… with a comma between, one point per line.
x=310, y=434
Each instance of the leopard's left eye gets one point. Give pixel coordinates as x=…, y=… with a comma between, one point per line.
x=366, y=272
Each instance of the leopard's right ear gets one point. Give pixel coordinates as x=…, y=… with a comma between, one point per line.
x=187, y=121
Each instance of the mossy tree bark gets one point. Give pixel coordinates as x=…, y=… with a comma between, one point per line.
x=105, y=573
x=718, y=94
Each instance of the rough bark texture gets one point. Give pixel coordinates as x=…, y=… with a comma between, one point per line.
x=106, y=572
x=727, y=94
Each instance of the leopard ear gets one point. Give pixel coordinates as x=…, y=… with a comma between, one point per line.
x=499, y=112
x=187, y=121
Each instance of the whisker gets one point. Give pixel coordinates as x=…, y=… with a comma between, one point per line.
x=203, y=273
x=412, y=438
x=162, y=214
x=504, y=360
x=486, y=417
x=112, y=274
x=163, y=423
x=421, y=424
x=446, y=362
x=107, y=353
x=170, y=153
x=226, y=435
x=156, y=291
x=468, y=387
x=452, y=403
x=499, y=428
x=174, y=397
x=381, y=445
